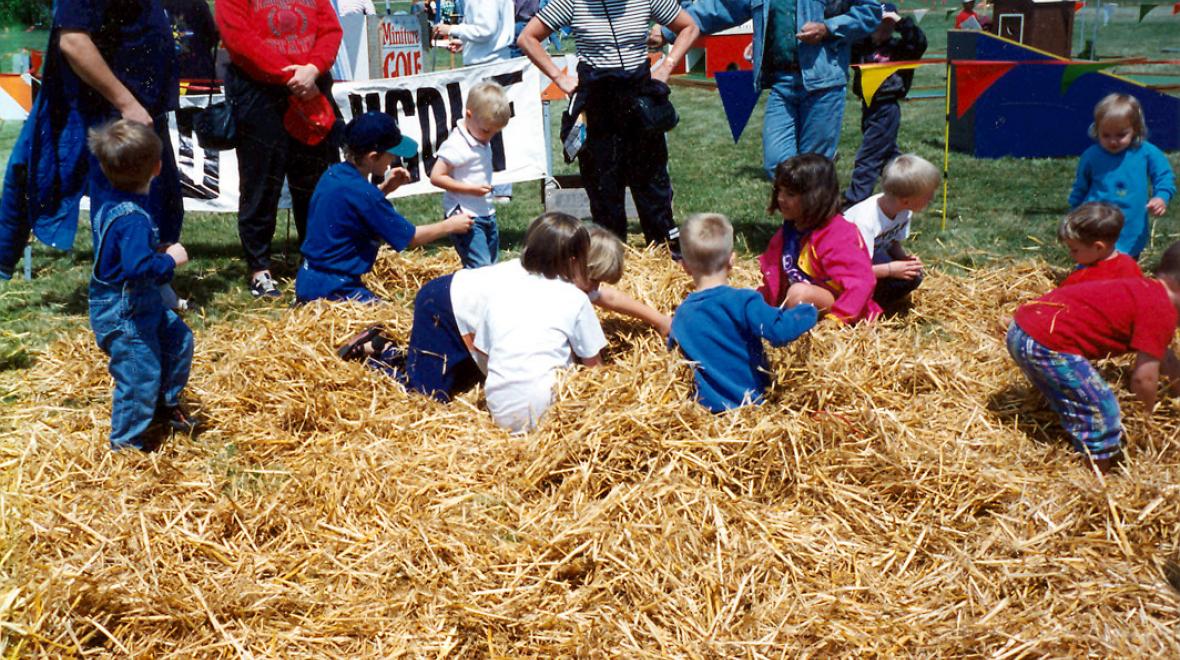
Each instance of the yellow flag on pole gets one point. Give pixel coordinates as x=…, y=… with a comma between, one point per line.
x=872, y=75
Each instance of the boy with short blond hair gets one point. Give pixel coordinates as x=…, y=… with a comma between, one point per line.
x=719, y=328
x=149, y=345
x=908, y=183
x=464, y=172
x=1090, y=232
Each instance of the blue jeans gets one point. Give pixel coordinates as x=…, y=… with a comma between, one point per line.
x=799, y=122
x=312, y=284
x=437, y=357
x=151, y=351
x=480, y=246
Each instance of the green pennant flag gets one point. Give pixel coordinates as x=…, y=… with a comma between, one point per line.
x=951, y=12
x=1074, y=71
x=1144, y=10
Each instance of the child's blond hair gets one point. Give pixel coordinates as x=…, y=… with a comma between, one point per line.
x=1120, y=106
x=127, y=151
x=604, y=263
x=909, y=175
x=706, y=241
x=1092, y=222
x=488, y=103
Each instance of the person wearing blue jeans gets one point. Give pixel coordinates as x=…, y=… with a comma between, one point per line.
x=480, y=246
x=801, y=52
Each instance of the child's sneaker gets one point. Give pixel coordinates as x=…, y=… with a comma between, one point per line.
x=177, y=419
x=263, y=285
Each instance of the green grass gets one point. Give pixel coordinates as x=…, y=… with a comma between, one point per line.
x=998, y=210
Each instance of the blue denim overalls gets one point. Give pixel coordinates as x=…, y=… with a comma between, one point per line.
x=150, y=347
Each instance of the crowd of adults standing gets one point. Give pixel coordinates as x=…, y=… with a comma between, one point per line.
x=118, y=58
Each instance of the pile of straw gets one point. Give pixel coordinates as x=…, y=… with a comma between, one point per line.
x=903, y=491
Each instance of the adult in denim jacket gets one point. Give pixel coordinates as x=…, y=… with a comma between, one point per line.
x=806, y=77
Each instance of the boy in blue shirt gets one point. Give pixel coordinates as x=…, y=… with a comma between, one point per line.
x=720, y=328
x=150, y=347
x=349, y=217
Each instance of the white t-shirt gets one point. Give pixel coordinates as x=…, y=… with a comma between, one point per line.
x=529, y=331
x=878, y=229
x=346, y=7
x=470, y=290
x=471, y=162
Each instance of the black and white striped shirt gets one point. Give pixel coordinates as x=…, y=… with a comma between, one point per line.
x=631, y=20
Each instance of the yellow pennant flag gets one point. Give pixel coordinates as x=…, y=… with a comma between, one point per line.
x=872, y=75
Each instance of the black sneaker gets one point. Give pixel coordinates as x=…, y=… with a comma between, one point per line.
x=355, y=348
x=264, y=286
x=177, y=419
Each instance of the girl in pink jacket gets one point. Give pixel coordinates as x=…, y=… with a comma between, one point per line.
x=817, y=257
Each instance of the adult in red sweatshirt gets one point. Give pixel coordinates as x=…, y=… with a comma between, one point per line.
x=278, y=49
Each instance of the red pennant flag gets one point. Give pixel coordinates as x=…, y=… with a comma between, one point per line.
x=1078, y=5
x=973, y=78
x=1176, y=9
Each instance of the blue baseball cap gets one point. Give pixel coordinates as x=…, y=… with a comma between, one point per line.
x=888, y=8
x=377, y=131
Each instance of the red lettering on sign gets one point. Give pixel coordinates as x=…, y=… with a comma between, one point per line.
x=403, y=63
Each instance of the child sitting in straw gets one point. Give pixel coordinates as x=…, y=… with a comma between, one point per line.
x=1053, y=339
x=464, y=172
x=149, y=345
x=349, y=217
x=908, y=183
x=1090, y=232
x=720, y=328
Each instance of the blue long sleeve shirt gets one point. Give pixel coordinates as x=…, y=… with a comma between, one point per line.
x=721, y=330
x=1123, y=179
x=129, y=252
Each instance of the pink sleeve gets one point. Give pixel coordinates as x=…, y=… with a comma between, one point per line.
x=770, y=263
x=841, y=251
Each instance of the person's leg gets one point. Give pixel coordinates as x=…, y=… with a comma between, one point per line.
x=780, y=123
x=134, y=351
x=437, y=354
x=176, y=358
x=305, y=165
x=599, y=164
x=478, y=247
x=646, y=170
x=891, y=290
x=879, y=126
x=802, y=292
x=165, y=202
x=262, y=157
x=311, y=284
x=820, y=114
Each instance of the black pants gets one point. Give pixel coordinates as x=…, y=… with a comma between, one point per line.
x=878, y=124
x=890, y=290
x=267, y=154
x=619, y=155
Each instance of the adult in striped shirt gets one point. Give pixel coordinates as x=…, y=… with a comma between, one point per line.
x=613, y=72
x=801, y=52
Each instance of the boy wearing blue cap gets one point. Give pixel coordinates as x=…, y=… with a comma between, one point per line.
x=349, y=217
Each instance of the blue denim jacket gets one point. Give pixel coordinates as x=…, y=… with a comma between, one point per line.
x=822, y=65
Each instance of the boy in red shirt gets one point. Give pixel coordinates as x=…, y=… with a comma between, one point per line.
x=1090, y=232
x=1053, y=338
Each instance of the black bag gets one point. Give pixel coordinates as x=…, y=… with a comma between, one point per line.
x=215, y=126
x=653, y=103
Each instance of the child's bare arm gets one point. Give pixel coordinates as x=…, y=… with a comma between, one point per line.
x=621, y=303
x=1145, y=379
x=440, y=177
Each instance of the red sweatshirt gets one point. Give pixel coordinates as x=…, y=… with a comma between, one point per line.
x=263, y=36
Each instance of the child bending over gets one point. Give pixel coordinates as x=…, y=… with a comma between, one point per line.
x=908, y=183
x=817, y=257
x=1054, y=338
x=720, y=328
x=464, y=172
x=1090, y=232
x=149, y=345
x=349, y=217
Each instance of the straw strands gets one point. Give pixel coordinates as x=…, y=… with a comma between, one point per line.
x=903, y=492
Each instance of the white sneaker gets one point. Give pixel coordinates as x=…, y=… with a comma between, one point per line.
x=264, y=286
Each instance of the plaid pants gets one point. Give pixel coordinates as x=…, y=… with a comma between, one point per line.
x=1080, y=396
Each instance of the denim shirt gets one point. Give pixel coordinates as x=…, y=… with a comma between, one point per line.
x=822, y=65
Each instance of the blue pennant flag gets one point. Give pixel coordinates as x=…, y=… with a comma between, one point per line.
x=738, y=96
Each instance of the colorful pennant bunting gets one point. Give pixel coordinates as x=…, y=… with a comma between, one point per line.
x=872, y=75
x=973, y=78
x=1073, y=71
x=1144, y=10
x=738, y=97
x=1078, y=5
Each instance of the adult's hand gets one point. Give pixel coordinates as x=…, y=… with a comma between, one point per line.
x=813, y=32
x=566, y=83
x=302, y=82
x=136, y=112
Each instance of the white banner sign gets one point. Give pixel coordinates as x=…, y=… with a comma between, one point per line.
x=426, y=107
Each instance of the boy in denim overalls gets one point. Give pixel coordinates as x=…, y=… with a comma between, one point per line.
x=150, y=347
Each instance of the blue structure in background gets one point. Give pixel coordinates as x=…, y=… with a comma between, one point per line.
x=1025, y=115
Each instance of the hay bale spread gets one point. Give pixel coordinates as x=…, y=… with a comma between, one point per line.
x=903, y=491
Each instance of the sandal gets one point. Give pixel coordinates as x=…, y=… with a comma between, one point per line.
x=354, y=348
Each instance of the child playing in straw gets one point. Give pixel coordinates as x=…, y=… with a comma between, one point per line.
x=720, y=328
x=1053, y=339
x=464, y=172
x=349, y=217
x=908, y=183
x=1090, y=232
x=149, y=345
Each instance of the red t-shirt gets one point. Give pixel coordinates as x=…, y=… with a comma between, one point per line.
x=1115, y=268
x=963, y=16
x=1100, y=319
x=264, y=37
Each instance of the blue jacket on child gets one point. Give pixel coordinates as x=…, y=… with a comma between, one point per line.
x=721, y=329
x=150, y=347
x=1122, y=179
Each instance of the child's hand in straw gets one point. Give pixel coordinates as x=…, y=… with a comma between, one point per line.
x=460, y=223
x=178, y=253
x=905, y=269
x=1157, y=206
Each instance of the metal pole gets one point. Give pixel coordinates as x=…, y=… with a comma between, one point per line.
x=28, y=262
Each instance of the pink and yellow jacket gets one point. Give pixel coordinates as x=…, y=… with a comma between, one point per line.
x=835, y=257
